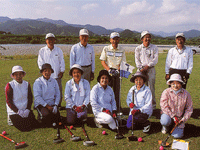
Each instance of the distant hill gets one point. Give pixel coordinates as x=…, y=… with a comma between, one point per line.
x=192, y=33
x=58, y=22
x=3, y=19
x=129, y=34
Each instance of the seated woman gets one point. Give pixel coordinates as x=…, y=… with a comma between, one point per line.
x=176, y=106
x=77, y=94
x=47, y=96
x=19, y=99
x=102, y=100
x=139, y=99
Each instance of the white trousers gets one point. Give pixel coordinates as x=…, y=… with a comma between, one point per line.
x=104, y=118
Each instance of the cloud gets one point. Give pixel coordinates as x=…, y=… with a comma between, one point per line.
x=87, y=7
x=116, y=1
x=136, y=8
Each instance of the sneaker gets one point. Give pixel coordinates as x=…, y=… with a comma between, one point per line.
x=98, y=124
x=9, y=121
x=164, y=130
x=147, y=129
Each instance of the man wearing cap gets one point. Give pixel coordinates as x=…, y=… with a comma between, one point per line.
x=179, y=60
x=146, y=57
x=54, y=56
x=111, y=57
x=82, y=53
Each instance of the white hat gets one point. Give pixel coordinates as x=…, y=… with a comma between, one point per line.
x=17, y=69
x=180, y=35
x=49, y=35
x=77, y=66
x=83, y=32
x=114, y=34
x=175, y=77
x=144, y=33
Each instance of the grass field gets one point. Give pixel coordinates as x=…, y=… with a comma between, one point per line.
x=42, y=138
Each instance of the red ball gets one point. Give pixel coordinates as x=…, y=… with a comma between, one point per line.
x=161, y=148
x=4, y=132
x=71, y=127
x=139, y=139
x=104, y=132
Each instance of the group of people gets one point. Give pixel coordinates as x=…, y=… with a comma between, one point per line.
x=175, y=102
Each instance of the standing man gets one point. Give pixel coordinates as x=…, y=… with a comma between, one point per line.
x=82, y=54
x=179, y=60
x=54, y=56
x=111, y=57
x=146, y=57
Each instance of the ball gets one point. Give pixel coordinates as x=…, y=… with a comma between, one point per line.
x=161, y=148
x=4, y=132
x=139, y=139
x=104, y=132
x=71, y=127
x=54, y=124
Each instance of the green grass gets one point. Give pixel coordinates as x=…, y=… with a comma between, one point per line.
x=43, y=138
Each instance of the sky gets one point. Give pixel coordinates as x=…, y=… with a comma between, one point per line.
x=153, y=15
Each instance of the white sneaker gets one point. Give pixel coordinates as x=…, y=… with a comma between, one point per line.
x=164, y=130
x=97, y=124
x=147, y=129
x=9, y=121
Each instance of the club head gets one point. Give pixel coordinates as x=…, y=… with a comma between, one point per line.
x=75, y=138
x=88, y=143
x=119, y=136
x=20, y=145
x=132, y=138
x=164, y=144
x=58, y=140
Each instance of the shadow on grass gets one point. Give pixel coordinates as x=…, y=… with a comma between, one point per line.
x=196, y=113
x=191, y=131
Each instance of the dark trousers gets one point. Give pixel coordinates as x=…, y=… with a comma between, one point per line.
x=73, y=117
x=182, y=74
x=140, y=119
x=24, y=124
x=115, y=84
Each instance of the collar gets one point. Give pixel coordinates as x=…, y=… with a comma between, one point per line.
x=49, y=80
x=111, y=47
x=181, y=90
x=49, y=48
x=82, y=45
x=99, y=85
x=184, y=48
x=18, y=82
x=73, y=82
x=146, y=47
x=141, y=89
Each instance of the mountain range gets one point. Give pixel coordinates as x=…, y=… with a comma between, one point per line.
x=59, y=27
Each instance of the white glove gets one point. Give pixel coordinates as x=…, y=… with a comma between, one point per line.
x=26, y=113
x=21, y=113
x=55, y=109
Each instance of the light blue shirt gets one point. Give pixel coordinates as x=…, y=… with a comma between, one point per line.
x=142, y=99
x=84, y=56
x=46, y=92
x=73, y=96
x=102, y=98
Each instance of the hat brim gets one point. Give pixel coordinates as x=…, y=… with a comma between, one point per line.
x=171, y=80
x=142, y=76
x=52, y=71
x=99, y=77
x=11, y=75
x=70, y=72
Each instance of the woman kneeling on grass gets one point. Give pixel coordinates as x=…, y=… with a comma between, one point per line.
x=102, y=100
x=77, y=94
x=139, y=99
x=47, y=97
x=19, y=99
x=176, y=106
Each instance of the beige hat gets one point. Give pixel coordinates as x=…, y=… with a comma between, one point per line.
x=180, y=35
x=17, y=69
x=114, y=34
x=175, y=77
x=144, y=33
x=83, y=32
x=49, y=35
x=138, y=74
x=75, y=66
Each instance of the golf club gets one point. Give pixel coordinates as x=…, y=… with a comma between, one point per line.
x=73, y=137
x=17, y=145
x=88, y=142
x=132, y=137
x=165, y=143
x=58, y=139
x=118, y=136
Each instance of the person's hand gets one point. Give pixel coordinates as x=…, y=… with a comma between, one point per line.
x=78, y=109
x=113, y=72
x=74, y=107
x=135, y=111
x=176, y=120
x=114, y=115
x=131, y=105
x=187, y=75
x=49, y=108
x=106, y=111
x=92, y=76
x=26, y=113
x=55, y=110
x=60, y=75
x=146, y=68
x=167, y=77
x=21, y=113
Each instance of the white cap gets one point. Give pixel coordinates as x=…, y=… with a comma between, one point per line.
x=175, y=77
x=77, y=66
x=144, y=33
x=83, y=32
x=180, y=35
x=49, y=35
x=114, y=34
x=17, y=69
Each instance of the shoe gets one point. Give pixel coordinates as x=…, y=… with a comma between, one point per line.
x=9, y=121
x=147, y=129
x=98, y=124
x=164, y=130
